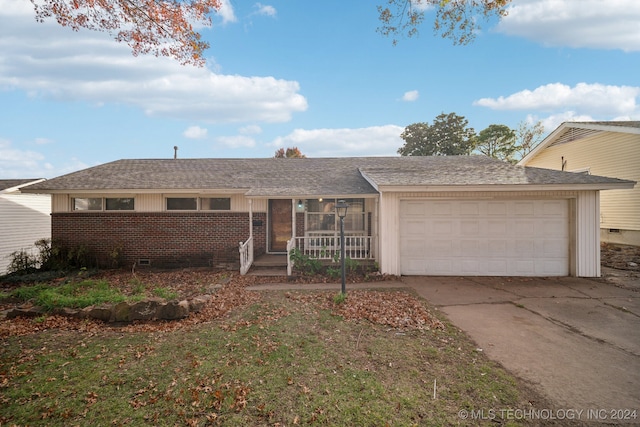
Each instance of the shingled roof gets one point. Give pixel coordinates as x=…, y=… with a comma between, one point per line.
x=274, y=177
x=6, y=184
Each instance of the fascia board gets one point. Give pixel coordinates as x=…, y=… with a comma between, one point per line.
x=507, y=188
x=142, y=191
x=369, y=180
x=313, y=196
x=543, y=144
x=607, y=128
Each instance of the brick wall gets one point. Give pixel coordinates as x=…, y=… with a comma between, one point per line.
x=166, y=239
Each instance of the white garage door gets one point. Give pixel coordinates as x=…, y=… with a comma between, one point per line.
x=484, y=238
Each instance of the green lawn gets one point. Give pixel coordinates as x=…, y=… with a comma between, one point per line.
x=282, y=359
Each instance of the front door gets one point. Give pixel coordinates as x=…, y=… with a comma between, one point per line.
x=279, y=225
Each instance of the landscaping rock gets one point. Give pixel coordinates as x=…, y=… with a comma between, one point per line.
x=174, y=310
x=120, y=312
x=25, y=311
x=145, y=310
x=102, y=313
x=197, y=303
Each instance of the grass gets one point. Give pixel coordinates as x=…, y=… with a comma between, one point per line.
x=281, y=361
x=81, y=294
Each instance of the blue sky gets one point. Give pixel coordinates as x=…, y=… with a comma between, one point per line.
x=315, y=75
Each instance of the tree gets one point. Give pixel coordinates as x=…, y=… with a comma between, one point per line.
x=166, y=27
x=528, y=135
x=497, y=141
x=455, y=19
x=289, y=153
x=159, y=27
x=447, y=136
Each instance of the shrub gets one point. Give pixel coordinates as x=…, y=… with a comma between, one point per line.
x=22, y=262
x=304, y=263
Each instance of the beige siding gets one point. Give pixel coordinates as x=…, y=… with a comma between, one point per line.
x=609, y=154
x=149, y=203
x=155, y=202
x=24, y=218
x=60, y=203
x=241, y=204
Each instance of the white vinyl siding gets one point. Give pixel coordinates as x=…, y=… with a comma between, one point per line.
x=587, y=234
x=484, y=237
x=24, y=219
x=611, y=154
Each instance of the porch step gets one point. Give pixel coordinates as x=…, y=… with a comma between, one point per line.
x=271, y=260
x=269, y=265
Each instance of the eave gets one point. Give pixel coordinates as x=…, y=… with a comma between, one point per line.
x=504, y=188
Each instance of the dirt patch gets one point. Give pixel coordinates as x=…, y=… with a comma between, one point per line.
x=620, y=257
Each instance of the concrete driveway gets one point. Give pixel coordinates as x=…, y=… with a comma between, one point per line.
x=576, y=341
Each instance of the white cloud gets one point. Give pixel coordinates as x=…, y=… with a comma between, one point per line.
x=592, y=99
x=250, y=130
x=267, y=10
x=237, y=141
x=226, y=12
x=410, y=96
x=49, y=61
x=422, y=5
x=15, y=163
x=195, y=132
x=371, y=141
x=42, y=141
x=600, y=24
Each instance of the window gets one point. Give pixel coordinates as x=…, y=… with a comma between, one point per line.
x=87, y=204
x=215, y=203
x=182, y=203
x=321, y=215
x=195, y=203
x=119, y=203
x=99, y=203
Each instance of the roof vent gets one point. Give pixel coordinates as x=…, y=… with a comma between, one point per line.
x=175, y=151
x=572, y=134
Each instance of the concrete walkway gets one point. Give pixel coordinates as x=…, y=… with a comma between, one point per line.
x=576, y=341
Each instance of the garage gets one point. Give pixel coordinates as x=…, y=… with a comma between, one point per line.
x=484, y=237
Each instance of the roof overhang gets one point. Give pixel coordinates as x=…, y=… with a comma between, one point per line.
x=196, y=191
x=23, y=187
x=625, y=185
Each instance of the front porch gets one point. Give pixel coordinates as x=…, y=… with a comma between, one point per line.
x=325, y=248
x=308, y=227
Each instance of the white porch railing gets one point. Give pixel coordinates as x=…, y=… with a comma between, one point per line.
x=246, y=255
x=327, y=247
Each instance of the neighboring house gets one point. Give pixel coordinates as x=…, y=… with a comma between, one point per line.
x=445, y=215
x=605, y=149
x=24, y=218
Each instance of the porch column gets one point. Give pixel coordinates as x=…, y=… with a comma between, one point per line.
x=250, y=218
x=374, y=229
x=293, y=218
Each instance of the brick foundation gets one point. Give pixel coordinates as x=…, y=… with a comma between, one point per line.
x=166, y=239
